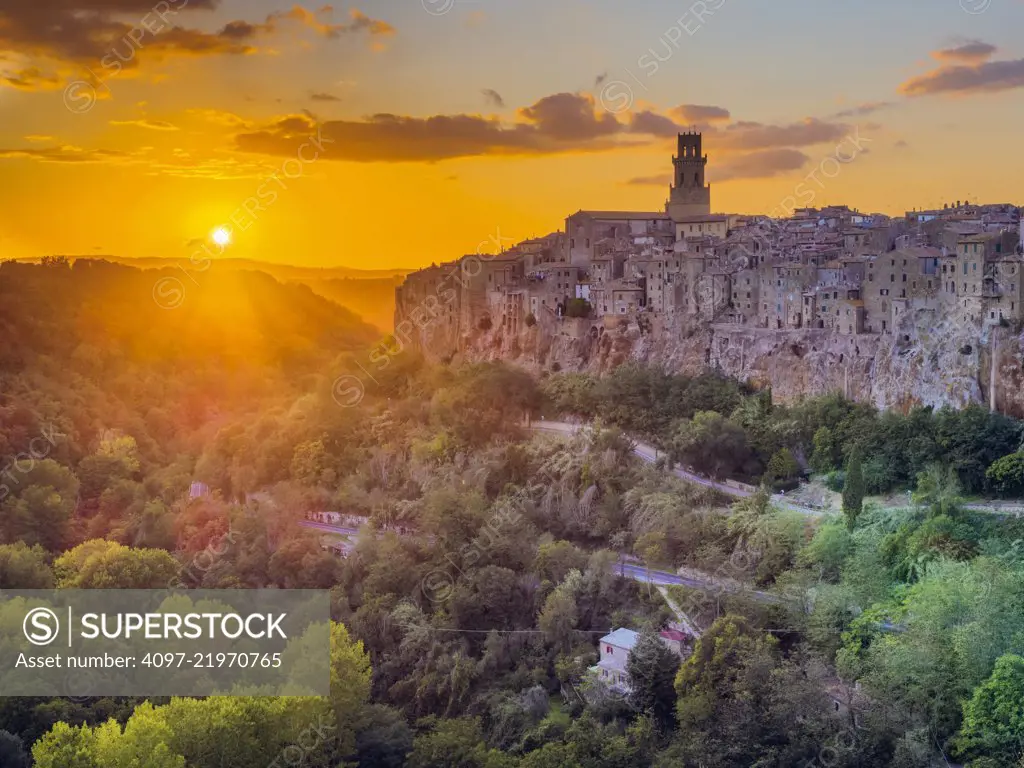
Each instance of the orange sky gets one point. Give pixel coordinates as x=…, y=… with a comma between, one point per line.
x=445, y=122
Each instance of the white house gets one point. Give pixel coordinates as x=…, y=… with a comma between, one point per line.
x=615, y=647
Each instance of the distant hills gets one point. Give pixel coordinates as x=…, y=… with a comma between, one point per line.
x=369, y=293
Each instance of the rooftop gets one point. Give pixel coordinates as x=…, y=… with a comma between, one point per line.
x=643, y=215
x=621, y=638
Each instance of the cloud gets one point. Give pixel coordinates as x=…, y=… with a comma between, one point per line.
x=758, y=165
x=699, y=114
x=653, y=124
x=376, y=27
x=570, y=117
x=755, y=136
x=973, y=52
x=86, y=31
x=31, y=79
x=657, y=180
x=600, y=79
x=560, y=123
x=65, y=154
x=901, y=144
x=493, y=97
x=966, y=79
x=152, y=125
x=220, y=117
x=117, y=34
x=867, y=108
x=324, y=97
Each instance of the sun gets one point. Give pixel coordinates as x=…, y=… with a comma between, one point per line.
x=221, y=236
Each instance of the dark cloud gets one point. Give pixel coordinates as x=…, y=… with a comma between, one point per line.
x=755, y=136
x=901, y=144
x=324, y=97
x=965, y=79
x=973, y=52
x=86, y=31
x=653, y=124
x=758, y=165
x=493, y=97
x=570, y=117
x=600, y=79
x=120, y=33
x=559, y=123
x=699, y=114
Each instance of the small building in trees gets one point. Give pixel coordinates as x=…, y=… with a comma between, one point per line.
x=615, y=647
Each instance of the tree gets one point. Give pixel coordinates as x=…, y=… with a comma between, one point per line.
x=24, y=567
x=38, y=508
x=66, y=747
x=350, y=685
x=710, y=443
x=993, y=723
x=782, y=465
x=577, y=308
x=652, y=668
x=455, y=743
x=384, y=738
x=560, y=614
x=824, y=457
x=100, y=564
x=12, y=751
x=853, y=489
x=555, y=559
x=1006, y=475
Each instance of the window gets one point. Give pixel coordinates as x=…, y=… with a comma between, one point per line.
x=609, y=650
x=892, y=278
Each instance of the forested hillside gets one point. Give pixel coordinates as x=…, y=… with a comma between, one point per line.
x=492, y=559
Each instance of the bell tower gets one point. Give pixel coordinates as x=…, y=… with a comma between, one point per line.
x=689, y=195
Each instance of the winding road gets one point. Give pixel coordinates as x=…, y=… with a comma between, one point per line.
x=622, y=568
x=650, y=454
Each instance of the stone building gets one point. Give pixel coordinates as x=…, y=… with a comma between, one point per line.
x=833, y=268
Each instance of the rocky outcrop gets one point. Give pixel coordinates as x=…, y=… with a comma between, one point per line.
x=927, y=360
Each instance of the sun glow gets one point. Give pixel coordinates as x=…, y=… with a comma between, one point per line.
x=221, y=236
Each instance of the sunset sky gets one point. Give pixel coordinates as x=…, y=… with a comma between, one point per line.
x=445, y=122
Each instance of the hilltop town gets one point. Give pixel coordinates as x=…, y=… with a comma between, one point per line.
x=814, y=300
